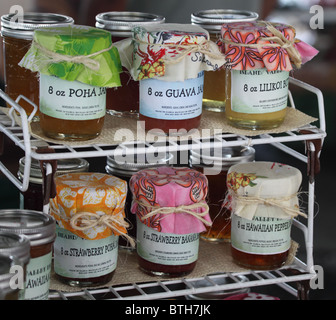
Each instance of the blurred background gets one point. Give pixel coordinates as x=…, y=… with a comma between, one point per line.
x=319, y=72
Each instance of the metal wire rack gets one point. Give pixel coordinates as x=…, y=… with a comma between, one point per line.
x=304, y=271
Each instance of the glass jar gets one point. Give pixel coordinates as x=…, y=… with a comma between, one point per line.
x=169, y=62
x=89, y=210
x=215, y=163
x=17, y=37
x=212, y=21
x=39, y=228
x=261, y=57
x=171, y=212
x=124, y=171
x=124, y=100
x=264, y=201
x=32, y=198
x=76, y=64
x=8, y=291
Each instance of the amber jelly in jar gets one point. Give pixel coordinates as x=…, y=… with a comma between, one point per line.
x=214, y=163
x=124, y=100
x=257, y=74
x=264, y=201
x=212, y=21
x=17, y=33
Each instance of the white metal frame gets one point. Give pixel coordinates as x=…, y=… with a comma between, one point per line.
x=20, y=135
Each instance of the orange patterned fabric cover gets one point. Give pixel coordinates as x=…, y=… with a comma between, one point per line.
x=93, y=193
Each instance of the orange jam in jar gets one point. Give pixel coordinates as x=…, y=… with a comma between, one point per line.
x=76, y=64
x=212, y=21
x=39, y=228
x=263, y=199
x=124, y=100
x=89, y=210
x=17, y=34
x=214, y=163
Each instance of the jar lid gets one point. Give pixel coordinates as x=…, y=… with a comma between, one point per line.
x=121, y=23
x=213, y=19
x=16, y=245
x=25, y=25
x=63, y=166
x=226, y=156
x=38, y=227
x=140, y=161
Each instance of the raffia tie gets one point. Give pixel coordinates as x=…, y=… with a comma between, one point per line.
x=189, y=209
x=203, y=48
x=89, y=220
x=54, y=57
x=275, y=202
x=279, y=40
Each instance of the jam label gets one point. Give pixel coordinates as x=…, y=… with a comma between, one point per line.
x=38, y=278
x=169, y=100
x=259, y=90
x=262, y=235
x=71, y=100
x=75, y=257
x=166, y=248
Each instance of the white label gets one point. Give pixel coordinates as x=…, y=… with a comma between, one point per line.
x=166, y=248
x=71, y=100
x=75, y=257
x=168, y=100
x=259, y=91
x=38, y=278
x=261, y=235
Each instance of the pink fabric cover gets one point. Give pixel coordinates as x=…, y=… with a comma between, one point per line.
x=170, y=187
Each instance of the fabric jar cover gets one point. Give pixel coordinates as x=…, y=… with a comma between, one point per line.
x=171, y=52
x=85, y=200
x=176, y=194
x=263, y=189
x=74, y=52
x=261, y=44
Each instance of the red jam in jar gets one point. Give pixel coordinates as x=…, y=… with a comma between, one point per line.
x=124, y=100
x=171, y=212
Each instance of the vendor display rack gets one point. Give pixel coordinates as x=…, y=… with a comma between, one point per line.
x=300, y=271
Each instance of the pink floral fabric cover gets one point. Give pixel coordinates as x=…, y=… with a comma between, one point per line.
x=240, y=41
x=169, y=187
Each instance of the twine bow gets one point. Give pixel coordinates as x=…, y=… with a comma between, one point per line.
x=275, y=202
x=89, y=220
x=189, y=209
x=86, y=60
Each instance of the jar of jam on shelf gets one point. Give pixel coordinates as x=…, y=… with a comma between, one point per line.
x=169, y=62
x=32, y=198
x=263, y=197
x=261, y=54
x=124, y=100
x=17, y=32
x=214, y=82
x=171, y=213
x=89, y=210
x=124, y=170
x=39, y=228
x=7, y=290
x=215, y=163
x=76, y=65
